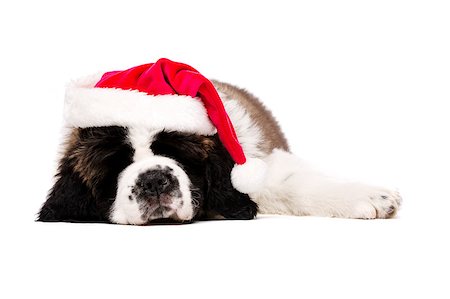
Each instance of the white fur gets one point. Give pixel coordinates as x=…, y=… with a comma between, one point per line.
x=249, y=177
x=141, y=139
x=294, y=188
x=126, y=211
x=248, y=133
x=86, y=106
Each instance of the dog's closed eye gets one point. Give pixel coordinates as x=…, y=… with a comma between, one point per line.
x=189, y=148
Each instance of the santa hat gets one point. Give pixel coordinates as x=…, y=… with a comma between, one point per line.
x=162, y=95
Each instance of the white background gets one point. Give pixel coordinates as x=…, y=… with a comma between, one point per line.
x=361, y=89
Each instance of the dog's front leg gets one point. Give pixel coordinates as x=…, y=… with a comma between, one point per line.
x=295, y=188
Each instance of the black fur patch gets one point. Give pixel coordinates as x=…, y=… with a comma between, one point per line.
x=87, y=175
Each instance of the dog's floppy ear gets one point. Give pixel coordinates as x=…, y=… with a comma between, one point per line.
x=87, y=175
x=221, y=197
x=70, y=199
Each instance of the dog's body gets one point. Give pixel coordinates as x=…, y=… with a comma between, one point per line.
x=293, y=187
x=134, y=175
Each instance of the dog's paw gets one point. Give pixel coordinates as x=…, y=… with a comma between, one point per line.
x=246, y=209
x=373, y=202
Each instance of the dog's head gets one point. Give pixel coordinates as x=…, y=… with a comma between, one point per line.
x=133, y=176
x=119, y=167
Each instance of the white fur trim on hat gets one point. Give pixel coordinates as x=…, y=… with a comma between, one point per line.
x=250, y=176
x=88, y=106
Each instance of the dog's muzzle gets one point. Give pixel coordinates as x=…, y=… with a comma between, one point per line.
x=153, y=188
x=158, y=191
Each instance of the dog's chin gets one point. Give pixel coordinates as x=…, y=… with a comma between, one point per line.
x=160, y=213
x=164, y=221
x=164, y=215
x=146, y=214
x=176, y=214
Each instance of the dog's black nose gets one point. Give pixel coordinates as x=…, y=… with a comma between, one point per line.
x=154, y=182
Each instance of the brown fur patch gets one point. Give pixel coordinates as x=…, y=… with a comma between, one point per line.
x=86, y=151
x=208, y=145
x=80, y=157
x=272, y=134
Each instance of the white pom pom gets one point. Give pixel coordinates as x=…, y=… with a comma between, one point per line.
x=250, y=176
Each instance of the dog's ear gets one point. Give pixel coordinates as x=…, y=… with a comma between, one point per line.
x=221, y=197
x=87, y=175
x=70, y=199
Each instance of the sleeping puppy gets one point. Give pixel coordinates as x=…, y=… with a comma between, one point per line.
x=136, y=162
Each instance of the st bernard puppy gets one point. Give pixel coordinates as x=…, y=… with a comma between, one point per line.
x=134, y=157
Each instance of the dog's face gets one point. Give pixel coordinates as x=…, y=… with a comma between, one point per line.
x=167, y=180
x=133, y=176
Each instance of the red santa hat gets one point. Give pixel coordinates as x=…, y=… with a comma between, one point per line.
x=162, y=95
